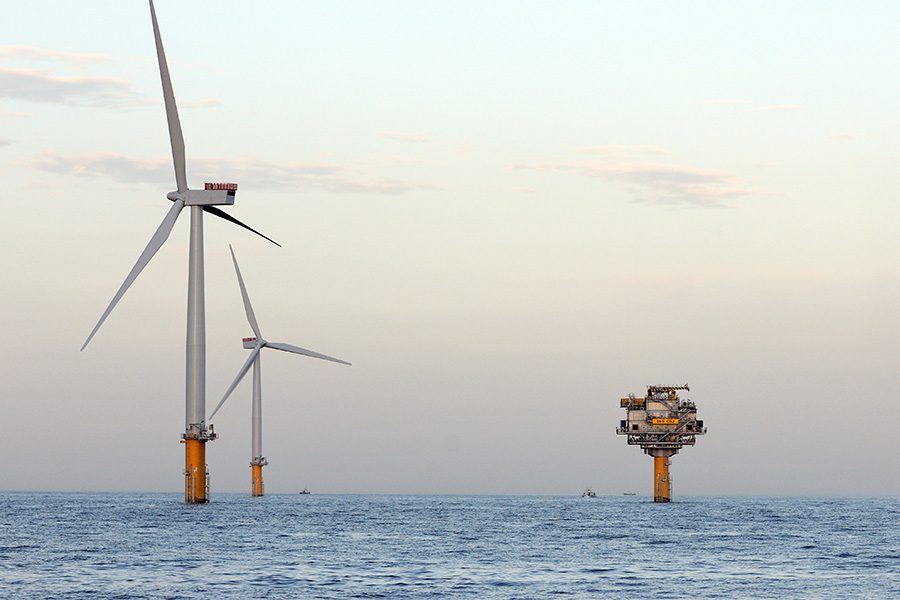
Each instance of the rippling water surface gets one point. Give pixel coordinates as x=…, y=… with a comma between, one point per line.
x=324, y=546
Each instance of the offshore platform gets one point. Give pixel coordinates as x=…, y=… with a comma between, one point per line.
x=661, y=423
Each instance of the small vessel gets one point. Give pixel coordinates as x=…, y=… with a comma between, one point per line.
x=629, y=494
x=588, y=493
x=303, y=491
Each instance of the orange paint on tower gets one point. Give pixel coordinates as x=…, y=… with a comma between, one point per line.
x=256, y=485
x=195, y=471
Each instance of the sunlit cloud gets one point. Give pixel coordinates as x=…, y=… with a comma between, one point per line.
x=33, y=53
x=409, y=138
x=11, y=114
x=656, y=182
x=263, y=174
x=38, y=86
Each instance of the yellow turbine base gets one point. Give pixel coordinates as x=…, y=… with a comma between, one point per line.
x=661, y=480
x=256, y=483
x=195, y=471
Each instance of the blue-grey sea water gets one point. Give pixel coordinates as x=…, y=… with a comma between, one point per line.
x=347, y=546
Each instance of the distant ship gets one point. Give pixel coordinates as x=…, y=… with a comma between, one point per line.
x=303, y=491
x=588, y=493
x=629, y=494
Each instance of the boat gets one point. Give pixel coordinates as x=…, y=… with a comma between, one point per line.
x=303, y=491
x=588, y=493
x=629, y=494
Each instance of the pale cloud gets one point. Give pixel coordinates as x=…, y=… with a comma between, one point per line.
x=205, y=103
x=751, y=107
x=38, y=86
x=33, y=53
x=4, y=142
x=115, y=166
x=845, y=136
x=409, y=138
x=619, y=151
x=656, y=182
x=11, y=114
x=263, y=174
x=404, y=160
x=725, y=101
x=766, y=164
x=777, y=108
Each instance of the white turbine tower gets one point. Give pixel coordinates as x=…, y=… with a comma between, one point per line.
x=256, y=344
x=196, y=433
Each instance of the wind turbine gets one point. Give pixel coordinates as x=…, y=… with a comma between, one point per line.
x=196, y=433
x=256, y=344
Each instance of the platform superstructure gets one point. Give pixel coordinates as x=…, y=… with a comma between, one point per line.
x=661, y=423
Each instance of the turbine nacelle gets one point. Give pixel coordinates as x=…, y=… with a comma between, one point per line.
x=213, y=194
x=251, y=342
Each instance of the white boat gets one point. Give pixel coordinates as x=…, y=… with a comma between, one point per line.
x=588, y=493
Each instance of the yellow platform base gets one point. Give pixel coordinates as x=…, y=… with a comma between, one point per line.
x=661, y=481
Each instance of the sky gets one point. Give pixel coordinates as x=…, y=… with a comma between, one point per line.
x=506, y=215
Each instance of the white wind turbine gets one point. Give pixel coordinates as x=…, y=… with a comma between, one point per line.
x=256, y=344
x=196, y=433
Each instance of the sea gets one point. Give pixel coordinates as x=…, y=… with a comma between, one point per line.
x=123, y=545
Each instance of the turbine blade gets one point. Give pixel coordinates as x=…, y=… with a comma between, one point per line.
x=175, y=136
x=237, y=379
x=303, y=351
x=224, y=215
x=156, y=242
x=251, y=318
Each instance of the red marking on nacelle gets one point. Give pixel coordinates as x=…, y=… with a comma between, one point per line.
x=221, y=186
x=250, y=339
